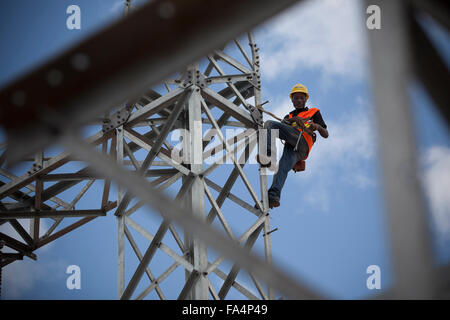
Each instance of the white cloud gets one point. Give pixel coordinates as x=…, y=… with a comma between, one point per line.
x=117, y=7
x=21, y=277
x=318, y=197
x=436, y=179
x=326, y=35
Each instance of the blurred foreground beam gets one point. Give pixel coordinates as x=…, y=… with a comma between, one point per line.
x=429, y=65
x=439, y=10
x=155, y=41
x=392, y=69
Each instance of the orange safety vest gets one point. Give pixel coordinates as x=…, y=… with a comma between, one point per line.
x=306, y=114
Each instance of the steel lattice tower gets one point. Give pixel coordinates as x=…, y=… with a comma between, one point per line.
x=187, y=106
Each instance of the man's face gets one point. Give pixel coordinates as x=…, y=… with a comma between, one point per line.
x=299, y=100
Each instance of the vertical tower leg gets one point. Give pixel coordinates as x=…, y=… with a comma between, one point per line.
x=197, y=249
x=262, y=175
x=120, y=222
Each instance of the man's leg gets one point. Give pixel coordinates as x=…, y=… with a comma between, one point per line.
x=285, y=132
x=287, y=161
x=290, y=135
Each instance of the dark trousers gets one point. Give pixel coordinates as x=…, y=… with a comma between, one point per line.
x=290, y=157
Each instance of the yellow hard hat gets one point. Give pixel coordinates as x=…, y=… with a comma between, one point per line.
x=299, y=88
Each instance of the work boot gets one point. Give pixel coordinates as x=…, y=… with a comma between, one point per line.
x=273, y=203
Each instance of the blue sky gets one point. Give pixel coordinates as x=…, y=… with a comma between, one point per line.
x=331, y=222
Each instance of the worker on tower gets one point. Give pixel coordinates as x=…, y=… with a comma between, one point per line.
x=297, y=129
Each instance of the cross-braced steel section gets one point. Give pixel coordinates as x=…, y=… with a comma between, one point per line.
x=34, y=191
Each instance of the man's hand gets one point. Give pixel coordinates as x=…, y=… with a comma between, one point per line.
x=299, y=121
x=317, y=127
x=313, y=126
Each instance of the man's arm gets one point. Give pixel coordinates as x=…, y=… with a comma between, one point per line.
x=317, y=127
x=320, y=125
x=286, y=119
